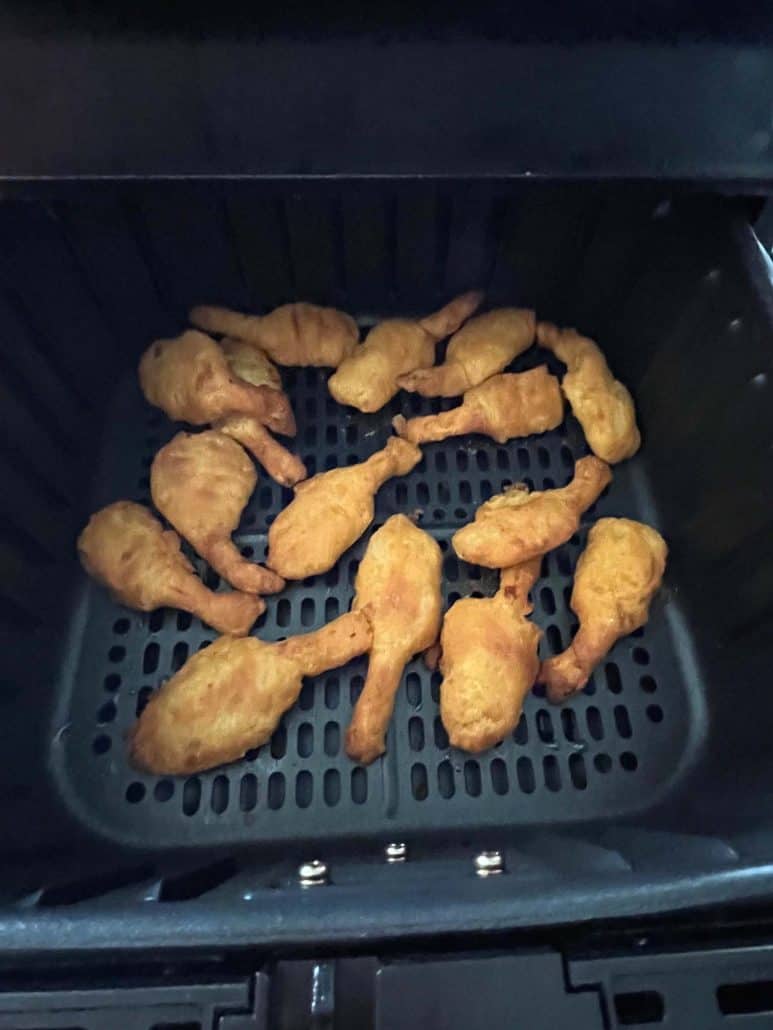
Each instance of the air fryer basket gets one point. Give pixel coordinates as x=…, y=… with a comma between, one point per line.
x=608, y=752
x=644, y=793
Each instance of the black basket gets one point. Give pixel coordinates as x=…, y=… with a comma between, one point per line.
x=608, y=752
x=641, y=794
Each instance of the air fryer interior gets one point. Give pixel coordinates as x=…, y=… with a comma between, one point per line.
x=652, y=779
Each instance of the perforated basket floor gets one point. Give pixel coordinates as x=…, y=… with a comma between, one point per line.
x=611, y=750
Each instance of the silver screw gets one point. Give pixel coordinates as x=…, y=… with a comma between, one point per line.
x=396, y=852
x=489, y=863
x=312, y=874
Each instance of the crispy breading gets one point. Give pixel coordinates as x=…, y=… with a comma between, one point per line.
x=332, y=510
x=517, y=525
x=190, y=379
x=201, y=482
x=250, y=363
x=601, y=404
x=507, y=405
x=367, y=379
x=127, y=549
x=230, y=696
x=489, y=661
x=398, y=581
x=293, y=334
x=483, y=347
x=282, y=465
x=616, y=578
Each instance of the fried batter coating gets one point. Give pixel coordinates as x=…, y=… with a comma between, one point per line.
x=489, y=661
x=200, y=482
x=332, y=510
x=507, y=405
x=250, y=363
x=189, y=378
x=230, y=697
x=398, y=581
x=617, y=575
x=602, y=405
x=483, y=347
x=517, y=525
x=282, y=465
x=293, y=334
x=127, y=550
x=367, y=380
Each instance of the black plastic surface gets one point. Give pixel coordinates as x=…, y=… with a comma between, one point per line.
x=115, y=1005
x=583, y=982
x=711, y=987
x=585, y=89
x=605, y=754
x=468, y=993
x=677, y=291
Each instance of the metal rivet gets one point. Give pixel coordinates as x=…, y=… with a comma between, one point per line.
x=489, y=863
x=396, y=852
x=312, y=874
